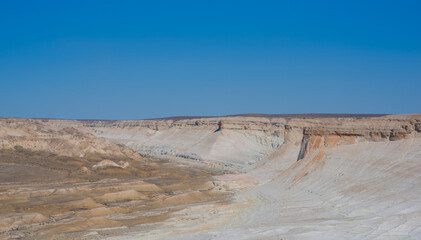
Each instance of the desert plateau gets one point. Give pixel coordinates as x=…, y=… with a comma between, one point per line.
x=310, y=176
x=210, y=120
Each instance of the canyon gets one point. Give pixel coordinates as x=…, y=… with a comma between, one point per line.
x=253, y=176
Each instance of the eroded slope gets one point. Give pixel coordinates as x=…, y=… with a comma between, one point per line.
x=343, y=177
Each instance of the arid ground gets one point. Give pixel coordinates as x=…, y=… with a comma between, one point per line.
x=250, y=176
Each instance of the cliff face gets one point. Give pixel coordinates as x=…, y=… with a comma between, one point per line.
x=306, y=177
x=229, y=143
x=238, y=143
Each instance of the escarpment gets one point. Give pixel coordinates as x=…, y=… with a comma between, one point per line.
x=293, y=176
x=233, y=143
x=317, y=138
x=238, y=143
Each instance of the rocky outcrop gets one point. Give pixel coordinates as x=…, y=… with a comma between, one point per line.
x=237, y=141
x=354, y=175
x=64, y=141
x=199, y=139
x=318, y=138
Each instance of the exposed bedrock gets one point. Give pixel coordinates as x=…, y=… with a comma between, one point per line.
x=227, y=143
x=300, y=178
x=238, y=143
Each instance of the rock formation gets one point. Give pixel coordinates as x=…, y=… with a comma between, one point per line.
x=237, y=177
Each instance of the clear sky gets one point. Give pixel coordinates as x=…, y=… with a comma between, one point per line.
x=145, y=59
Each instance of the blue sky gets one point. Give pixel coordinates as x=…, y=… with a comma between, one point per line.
x=146, y=59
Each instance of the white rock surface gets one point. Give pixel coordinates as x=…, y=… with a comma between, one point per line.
x=367, y=190
x=360, y=191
